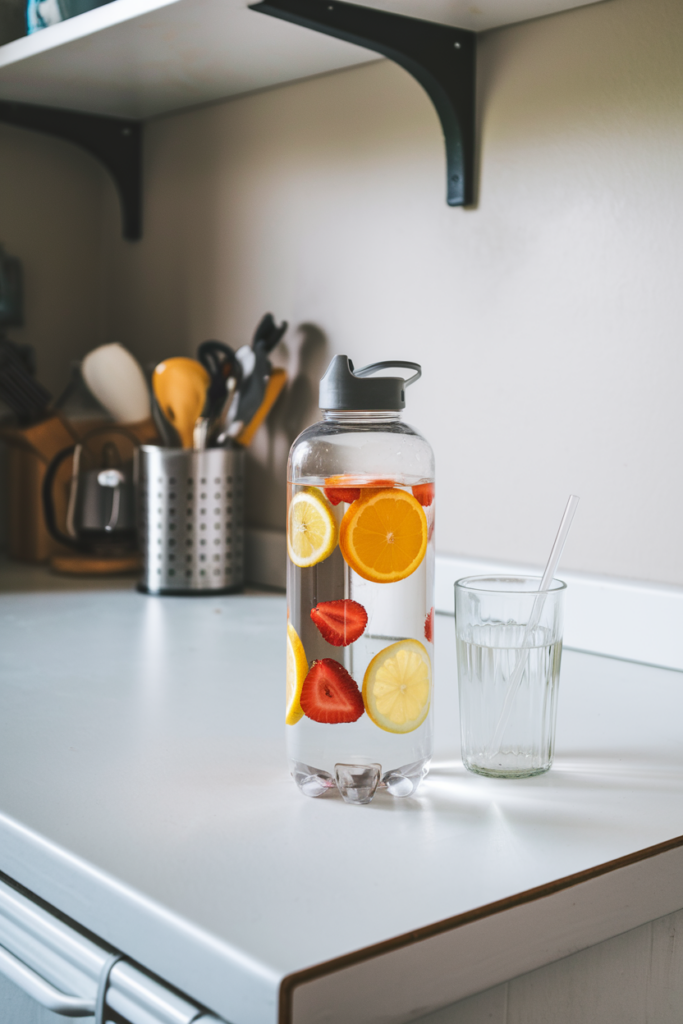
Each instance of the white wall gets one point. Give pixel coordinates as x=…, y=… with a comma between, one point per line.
x=51, y=218
x=51, y=196
x=547, y=319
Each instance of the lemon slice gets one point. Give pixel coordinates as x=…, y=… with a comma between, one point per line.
x=397, y=686
x=312, y=532
x=297, y=670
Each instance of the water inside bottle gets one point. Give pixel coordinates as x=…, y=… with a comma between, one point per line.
x=383, y=746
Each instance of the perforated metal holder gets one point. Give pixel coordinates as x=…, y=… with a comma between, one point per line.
x=191, y=520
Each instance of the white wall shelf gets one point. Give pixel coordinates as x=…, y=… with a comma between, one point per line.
x=141, y=58
x=134, y=59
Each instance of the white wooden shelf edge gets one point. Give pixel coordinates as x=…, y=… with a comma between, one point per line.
x=97, y=20
x=141, y=58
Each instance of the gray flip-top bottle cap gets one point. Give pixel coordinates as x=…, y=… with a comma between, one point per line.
x=344, y=388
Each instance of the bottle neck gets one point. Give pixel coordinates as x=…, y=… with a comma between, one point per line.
x=361, y=416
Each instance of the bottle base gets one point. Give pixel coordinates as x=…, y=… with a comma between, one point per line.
x=358, y=783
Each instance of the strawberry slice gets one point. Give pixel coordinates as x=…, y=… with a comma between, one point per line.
x=336, y=494
x=429, y=627
x=424, y=494
x=340, y=622
x=330, y=695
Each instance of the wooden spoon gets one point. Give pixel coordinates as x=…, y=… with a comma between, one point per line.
x=180, y=386
x=117, y=381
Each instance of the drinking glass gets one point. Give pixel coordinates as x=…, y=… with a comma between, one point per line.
x=508, y=633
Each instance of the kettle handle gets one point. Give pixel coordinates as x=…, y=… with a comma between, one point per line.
x=48, y=501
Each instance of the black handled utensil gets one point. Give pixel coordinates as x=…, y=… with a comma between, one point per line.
x=253, y=388
x=219, y=360
x=268, y=334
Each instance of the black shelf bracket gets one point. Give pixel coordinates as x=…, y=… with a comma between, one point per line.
x=113, y=141
x=440, y=57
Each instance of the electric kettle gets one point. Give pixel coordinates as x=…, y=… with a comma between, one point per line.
x=101, y=507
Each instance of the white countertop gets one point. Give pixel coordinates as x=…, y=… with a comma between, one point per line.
x=144, y=792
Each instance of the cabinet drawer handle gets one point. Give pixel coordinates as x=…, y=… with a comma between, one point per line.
x=42, y=991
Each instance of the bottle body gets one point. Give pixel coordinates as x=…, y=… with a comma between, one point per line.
x=360, y=606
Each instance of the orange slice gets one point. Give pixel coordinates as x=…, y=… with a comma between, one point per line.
x=383, y=535
x=397, y=687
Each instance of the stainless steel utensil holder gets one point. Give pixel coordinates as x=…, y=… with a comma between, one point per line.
x=191, y=520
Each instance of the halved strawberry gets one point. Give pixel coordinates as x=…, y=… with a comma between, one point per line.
x=424, y=493
x=330, y=695
x=340, y=622
x=336, y=494
x=429, y=627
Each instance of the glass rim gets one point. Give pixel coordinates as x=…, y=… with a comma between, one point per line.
x=466, y=583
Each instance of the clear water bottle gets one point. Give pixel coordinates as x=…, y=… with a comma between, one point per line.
x=360, y=590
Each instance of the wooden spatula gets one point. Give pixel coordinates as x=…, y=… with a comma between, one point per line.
x=276, y=382
x=180, y=385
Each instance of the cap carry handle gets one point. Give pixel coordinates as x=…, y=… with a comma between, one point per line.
x=366, y=371
x=344, y=388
